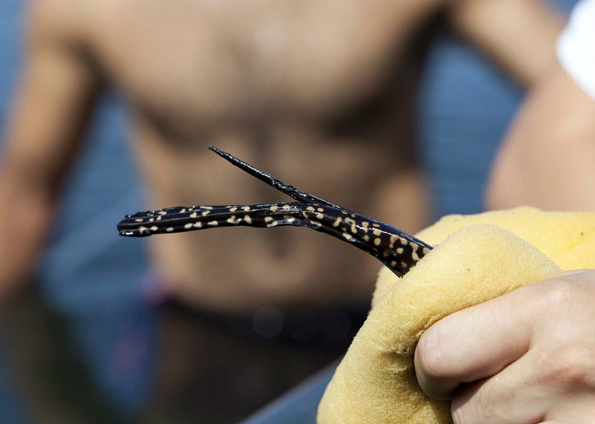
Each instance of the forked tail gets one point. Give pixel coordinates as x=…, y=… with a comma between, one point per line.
x=398, y=250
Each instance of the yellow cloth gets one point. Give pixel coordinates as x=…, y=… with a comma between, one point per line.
x=477, y=258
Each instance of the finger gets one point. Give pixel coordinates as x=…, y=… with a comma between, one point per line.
x=480, y=341
x=577, y=271
x=545, y=384
x=576, y=404
x=516, y=395
x=473, y=344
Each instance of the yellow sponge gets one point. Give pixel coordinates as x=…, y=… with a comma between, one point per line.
x=476, y=259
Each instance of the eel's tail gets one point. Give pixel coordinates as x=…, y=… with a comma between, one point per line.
x=395, y=248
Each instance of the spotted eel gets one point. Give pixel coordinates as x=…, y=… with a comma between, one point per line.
x=396, y=249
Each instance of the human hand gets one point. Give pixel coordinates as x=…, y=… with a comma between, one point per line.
x=527, y=357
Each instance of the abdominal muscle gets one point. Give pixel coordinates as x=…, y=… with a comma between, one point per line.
x=279, y=84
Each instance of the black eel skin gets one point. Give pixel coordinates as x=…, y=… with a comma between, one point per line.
x=396, y=249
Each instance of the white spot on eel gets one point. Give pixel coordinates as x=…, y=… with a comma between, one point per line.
x=232, y=220
x=393, y=239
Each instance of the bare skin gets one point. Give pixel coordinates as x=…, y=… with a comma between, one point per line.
x=548, y=157
x=535, y=365
x=275, y=83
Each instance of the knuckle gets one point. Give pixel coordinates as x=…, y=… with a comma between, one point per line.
x=569, y=366
x=430, y=355
x=559, y=295
x=483, y=403
x=459, y=416
x=489, y=402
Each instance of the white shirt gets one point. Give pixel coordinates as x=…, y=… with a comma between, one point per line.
x=576, y=46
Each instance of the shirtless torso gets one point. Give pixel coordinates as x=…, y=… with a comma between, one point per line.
x=271, y=83
x=308, y=91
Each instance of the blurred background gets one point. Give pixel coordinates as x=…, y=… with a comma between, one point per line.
x=97, y=340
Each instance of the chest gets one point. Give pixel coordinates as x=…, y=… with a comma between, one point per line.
x=208, y=62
